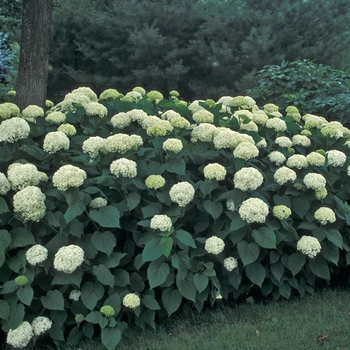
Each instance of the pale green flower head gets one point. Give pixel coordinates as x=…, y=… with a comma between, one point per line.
x=107, y=311
x=210, y=103
x=56, y=118
x=180, y=123
x=316, y=159
x=131, y=300
x=79, y=318
x=305, y=132
x=14, y=129
x=9, y=110
x=155, y=181
x=67, y=129
x=169, y=115
x=214, y=245
x=253, y=210
x=291, y=151
x=21, y=281
x=301, y=140
x=172, y=145
x=121, y=120
x=131, y=96
x=230, y=263
x=331, y=131
x=251, y=126
x=67, y=105
x=75, y=295
x=120, y=143
x=297, y=161
x=161, y=222
x=11, y=93
x=98, y=202
x=203, y=116
x=292, y=109
x=154, y=96
x=276, y=124
x=41, y=324
x=140, y=90
x=270, y=108
x=55, y=141
x=68, y=176
x=309, y=246
x=88, y=92
x=281, y=212
x=32, y=112
x=260, y=117
x=123, y=167
x=156, y=130
x=49, y=104
x=325, y=215
x=174, y=93
x=181, y=103
x=110, y=94
x=215, y=171
x=322, y=193
x=293, y=112
x=239, y=101
x=321, y=151
x=95, y=108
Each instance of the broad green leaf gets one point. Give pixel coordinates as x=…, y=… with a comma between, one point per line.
x=114, y=301
x=201, y=281
x=295, y=262
x=133, y=200
x=330, y=252
x=5, y=239
x=151, y=210
x=58, y=317
x=107, y=216
x=187, y=287
x=111, y=337
x=25, y=295
x=4, y=310
x=166, y=244
x=264, y=237
x=8, y=287
x=157, y=273
x=74, y=210
x=335, y=237
x=16, y=315
x=176, y=165
x=181, y=262
x=104, y=241
x=235, y=278
x=300, y=206
x=114, y=259
x=214, y=209
x=207, y=186
x=136, y=282
x=74, y=335
x=150, y=302
x=152, y=250
x=171, y=299
x=74, y=278
x=277, y=270
x=56, y=333
x=21, y=237
x=122, y=277
x=285, y=290
x=53, y=300
x=319, y=267
x=256, y=273
x=3, y=206
x=236, y=221
x=185, y=238
x=103, y=275
x=248, y=252
x=91, y=293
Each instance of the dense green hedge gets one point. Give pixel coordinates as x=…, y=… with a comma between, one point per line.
x=121, y=210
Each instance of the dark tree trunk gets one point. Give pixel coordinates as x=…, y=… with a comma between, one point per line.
x=34, y=57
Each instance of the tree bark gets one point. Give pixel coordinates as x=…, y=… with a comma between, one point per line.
x=34, y=55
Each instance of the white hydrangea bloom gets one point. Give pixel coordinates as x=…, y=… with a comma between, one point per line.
x=131, y=300
x=4, y=184
x=314, y=181
x=284, y=175
x=242, y=114
x=67, y=129
x=32, y=112
x=98, y=202
x=172, y=145
x=226, y=138
x=261, y=144
x=136, y=140
x=68, y=176
x=226, y=102
x=283, y=141
x=336, y=158
x=180, y=123
x=41, y=324
x=121, y=120
x=55, y=141
x=321, y=194
x=182, y=193
x=194, y=106
x=260, y=117
x=214, y=245
x=245, y=150
x=118, y=143
x=68, y=258
x=277, y=157
x=161, y=222
x=281, y=212
x=155, y=181
x=270, y=108
x=137, y=115
x=248, y=179
x=14, y=129
x=230, y=263
x=251, y=126
x=230, y=204
x=169, y=115
x=73, y=98
x=95, y=108
x=123, y=167
x=203, y=132
x=23, y=175
x=316, y=159
x=214, y=171
x=325, y=215
x=276, y=124
x=21, y=336
x=148, y=121
x=253, y=210
x=93, y=145
x=36, y=254
x=301, y=140
x=88, y=92
x=203, y=116
x=56, y=117
x=29, y=204
x=309, y=246
x=297, y=161
x=75, y=295
x=331, y=131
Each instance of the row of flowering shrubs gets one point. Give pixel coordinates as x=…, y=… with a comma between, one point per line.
x=119, y=210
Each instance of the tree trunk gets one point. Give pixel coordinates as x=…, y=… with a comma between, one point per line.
x=34, y=56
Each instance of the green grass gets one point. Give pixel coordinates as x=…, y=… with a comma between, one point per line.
x=321, y=321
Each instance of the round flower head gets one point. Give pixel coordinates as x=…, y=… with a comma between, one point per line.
x=283, y=141
x=230, y=263
x=137, y=115
x=117, y=143
x=331, y=131
x=260, y=117
x=203, y=116
x=107, y=311
x=325, y=215
x=68, y=176
x=230, y=204
x=161, y=222
x=309, y=246
x=29, y=204
x=239, y=101
x=170, y=115
x=68, y=258
x=55, y=141
x=67, y=129
x=21, y=336
x=4, y=184
x=14, y=129
x=204, y=132
x=195, y=106
x=214, y=171
x=23, y=175
x=155, y=181
x=293, y=112
x=248, y=179
x=123, y=167
x=312, y=121
x=98, y=202
x=180, y=123
x=88, y=92
x=156, y=130
x=41, y=324
x=21, y=281
x=242, y=115
x=182, y=193
x=9, y=110
x=172, y=145
x=276, y=124
x=270, y=108
x=261, y=144
x=32, y=112
x=135, y=141
x=79, y=318
x=36, y=254
x=314, y=181
x=297, y=161
x=284, y=175
x=336, y=158
x=322, y=193
x=95, y=108
x=306, y=132
x=277, y=157
x=131, y=300
x=316, y=159
x=226, y=102
x=67, y=105
x=281, y=212
x=301, y=140
x=75, y=295
x=245, y=150
x=56, y=118
x=132, y=96
x=226, y=138
x=110, y=94
x=253, y=210
x=49, y=104
x=140, y=90
x=93, y=145
x=154, y=96
x=149, y=120
x=174, y=93
x=121, y=120
x=214, y=245
x=251, y=126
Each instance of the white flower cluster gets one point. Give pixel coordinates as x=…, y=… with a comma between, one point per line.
x=248, y=179
x=36, y=254
x=309, y=246
x=261, y=144
x=314, y=181
x=230, y=263
x=14, y=129
x=297, y=161
x=23, y=175
x=180, y=123
x=68, y=176
x=68, y=258
x=155, y=181
x=131, y=300
x=121, y=120
x=281, y=212
x=21, y=336
x=55, y=141
x=251, y=126
x=29, y=204
x=283, y=141
x=203, y=116
x=277, y=157
x=336, y=158
x=182, y=193
x=32, y=112
x=67, y=129
x=98, y=202
x=4, y=184
x=230, y=204
x=75, y=294
x=95, y=108
x=9, y=110
x=169, y=115
x=214, y=171
x=276, y=124
x=245, y=150
x=324, y=215
x=121, y=143
x=316, y=159
x=172, y=145
x=161, y=222
x=41, y=324
x=93, y=145
x=137, y=115
x=253, y=210
x=284, y=175
x=204, y=132
x=123, y=167
x=86, y=91
x=301, y=140
x=214, y=245
x=260, y=117
x=56, y=117
x=226, y=138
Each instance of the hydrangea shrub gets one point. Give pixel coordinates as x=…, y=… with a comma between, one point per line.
x=121, y=210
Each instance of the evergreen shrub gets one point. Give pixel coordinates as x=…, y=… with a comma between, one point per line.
x=124, y=209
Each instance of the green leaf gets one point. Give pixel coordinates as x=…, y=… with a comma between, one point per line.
x=248, y=252
x=152, y=250
x=114, y=259
x=256, y=273
x=68, y=278
x=295, y=262
x=16, y=315
x=335, y=237
x=265, y=237
x=277, y=270
x=285, y=290
x=214, y=209
x=330, y=252
x=176, y=165
x=300, y=206
x=91, y=293
x=104, y=241
x=122, y=277
x=5, y=239
x=207, y=186
x=185, y=238
x=114, y=301
x=319, y=267
x=53, y=300
x=111, y=337
x=8, y=287
x=21, y=237
x=166, y=244
x=107, y=216
x=93, y=317
x=3, y=206
x=74, y=336
x=181, y=262
x=74, y=210
x=157, y=273
x=25, y=295
x=201, y=281
x=236, y=221
x=103, y=275
x=136, y=282
x=133, y=200
x=150, y=302
x=171, y=299
x=151, y=210
x=4, y=310
x=187, y=287
x=58, y=317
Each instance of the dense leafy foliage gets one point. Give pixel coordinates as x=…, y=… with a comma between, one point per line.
x=139, y=206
